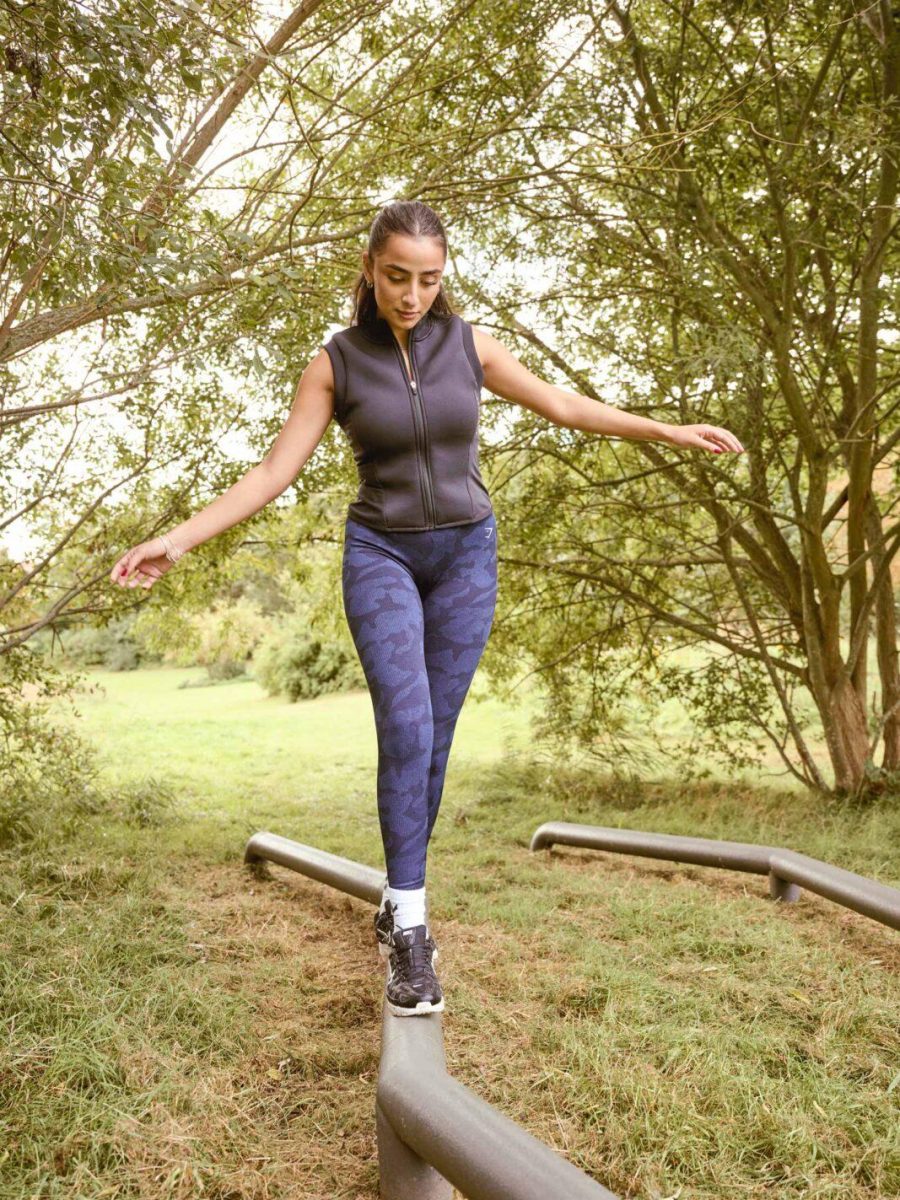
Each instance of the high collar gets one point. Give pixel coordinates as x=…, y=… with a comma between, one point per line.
x=380, y=331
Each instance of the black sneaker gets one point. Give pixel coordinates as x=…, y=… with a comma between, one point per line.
x=412, y=988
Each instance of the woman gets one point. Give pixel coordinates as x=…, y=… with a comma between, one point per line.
x=419, y=577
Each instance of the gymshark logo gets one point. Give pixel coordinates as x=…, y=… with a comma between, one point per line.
x=488, y=532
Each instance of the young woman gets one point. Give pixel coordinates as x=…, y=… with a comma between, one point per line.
x=419, y=576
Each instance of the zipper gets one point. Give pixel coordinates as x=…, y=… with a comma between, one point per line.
x=415, y=387
x=418, y=419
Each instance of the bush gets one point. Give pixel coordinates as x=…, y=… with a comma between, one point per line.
x=299, y=663
x=112, y=646
x=49, y=776
x=222, y=638
x=148, y=802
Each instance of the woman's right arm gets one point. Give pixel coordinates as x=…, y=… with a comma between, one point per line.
x=310, y=415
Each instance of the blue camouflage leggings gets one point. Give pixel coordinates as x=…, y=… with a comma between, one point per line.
x=420, y=606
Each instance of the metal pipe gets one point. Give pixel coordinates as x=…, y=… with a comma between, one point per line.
x=866, y=896
x=787, y=870
x=433, y=1132
x=474, y=1146
x=739, y=856
x=404, y=1172
x=342, y=873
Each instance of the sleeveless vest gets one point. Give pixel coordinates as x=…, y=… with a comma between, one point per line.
x=415, y=441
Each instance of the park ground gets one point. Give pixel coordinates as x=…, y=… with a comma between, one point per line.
x=182, y=1025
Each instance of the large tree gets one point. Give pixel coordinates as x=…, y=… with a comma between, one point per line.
x=710, y=198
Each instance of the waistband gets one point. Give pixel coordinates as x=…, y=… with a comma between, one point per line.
x=417, y=533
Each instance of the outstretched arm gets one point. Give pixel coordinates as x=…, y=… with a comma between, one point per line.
x=304, y=428
x=507, y=377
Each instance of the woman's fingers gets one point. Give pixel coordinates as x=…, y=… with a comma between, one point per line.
x=728, y=438
x=721, y=438
x=128, y=563
x=123, y=568
x=712, y=441
x=140, y=579
x=150, y=575
x=140, y=566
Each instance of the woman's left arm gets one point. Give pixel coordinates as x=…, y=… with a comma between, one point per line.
x=507, y=377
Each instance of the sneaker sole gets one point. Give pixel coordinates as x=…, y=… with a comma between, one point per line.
x=422, y=1009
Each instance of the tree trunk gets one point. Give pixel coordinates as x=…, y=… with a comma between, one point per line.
x=885, y=642
x=846, y=732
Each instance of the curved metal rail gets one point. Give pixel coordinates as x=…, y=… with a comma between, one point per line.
x=433, y=1132
x=787, y=871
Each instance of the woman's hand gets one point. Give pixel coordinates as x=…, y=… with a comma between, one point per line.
x=142, y=565
x=704, y=437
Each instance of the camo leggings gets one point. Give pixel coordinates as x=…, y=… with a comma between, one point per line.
x=420, y=606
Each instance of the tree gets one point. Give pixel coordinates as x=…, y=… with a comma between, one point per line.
x=716, y=187
x=155, y=300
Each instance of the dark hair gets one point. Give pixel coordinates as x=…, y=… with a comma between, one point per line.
x=411, y=217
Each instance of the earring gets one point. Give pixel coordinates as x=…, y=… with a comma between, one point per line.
x=370, y=283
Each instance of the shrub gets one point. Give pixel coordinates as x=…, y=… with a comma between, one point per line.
x=300, y=663
x=112, y=646
x=49, y=775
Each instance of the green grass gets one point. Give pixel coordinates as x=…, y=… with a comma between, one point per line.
x=179, y=1025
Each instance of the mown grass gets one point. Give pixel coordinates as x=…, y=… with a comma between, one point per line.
x=179, y=1025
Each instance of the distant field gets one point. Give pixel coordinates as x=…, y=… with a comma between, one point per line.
x=178, y=1026
x=151, y=712
x=243, y=756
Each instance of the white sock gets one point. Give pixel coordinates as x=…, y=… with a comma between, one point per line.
x=410, y=904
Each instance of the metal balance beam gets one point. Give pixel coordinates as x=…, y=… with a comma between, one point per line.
x=787, y=871
x=433, y=1132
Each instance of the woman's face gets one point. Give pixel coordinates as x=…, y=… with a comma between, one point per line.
x=407, y=275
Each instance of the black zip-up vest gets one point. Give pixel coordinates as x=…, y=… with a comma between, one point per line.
x=415, y=441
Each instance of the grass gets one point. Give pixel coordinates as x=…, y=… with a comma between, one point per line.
x=179, y=1025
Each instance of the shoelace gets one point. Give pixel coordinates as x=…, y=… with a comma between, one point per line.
x=414, y=962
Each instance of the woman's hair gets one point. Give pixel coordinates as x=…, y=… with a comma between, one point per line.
x=411, y=217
